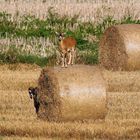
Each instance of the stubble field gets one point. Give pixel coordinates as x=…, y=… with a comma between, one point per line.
x=22, y=42
x=18, y=119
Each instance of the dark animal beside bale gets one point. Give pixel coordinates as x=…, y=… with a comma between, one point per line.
x=33, y=93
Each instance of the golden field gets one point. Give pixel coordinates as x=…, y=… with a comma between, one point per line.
x=18, y=119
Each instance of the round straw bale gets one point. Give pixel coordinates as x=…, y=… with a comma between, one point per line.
x=120, y=47
x=75, y=93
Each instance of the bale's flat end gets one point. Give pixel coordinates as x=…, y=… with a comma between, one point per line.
x=120, y=47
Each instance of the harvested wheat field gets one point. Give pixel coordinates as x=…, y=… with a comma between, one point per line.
x=120, y=47
x=87, y=10
x=19, y=121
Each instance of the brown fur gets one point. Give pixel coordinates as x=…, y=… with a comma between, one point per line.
x=67, y=43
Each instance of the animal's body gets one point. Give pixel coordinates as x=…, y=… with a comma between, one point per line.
x=33, y=93
x=67, y=47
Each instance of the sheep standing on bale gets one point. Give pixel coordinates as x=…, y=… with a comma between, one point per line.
x=33, y=94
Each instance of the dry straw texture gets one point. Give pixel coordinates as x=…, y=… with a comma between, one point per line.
x=76, y=93
x=50, y=103
x=94, y=10
x=122, y=81
x=18, y=119
x=120, y=47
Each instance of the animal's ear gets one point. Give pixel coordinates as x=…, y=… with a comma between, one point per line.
x=63, y=34
x=30, y=88
x=56, y=33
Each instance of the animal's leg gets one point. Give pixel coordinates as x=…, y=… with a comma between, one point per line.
x=36, y=110
x=37, y=107
x=63, y=60
x=73, y=56
x=70, y=58
x=58, y=59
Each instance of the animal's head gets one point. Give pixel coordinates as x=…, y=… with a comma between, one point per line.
x=32, y=91
x=60, y=35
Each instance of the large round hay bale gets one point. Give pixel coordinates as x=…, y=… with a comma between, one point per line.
x=120, y=47
x=74, y=93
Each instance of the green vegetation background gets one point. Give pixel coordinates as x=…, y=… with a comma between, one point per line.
x=87, y=35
